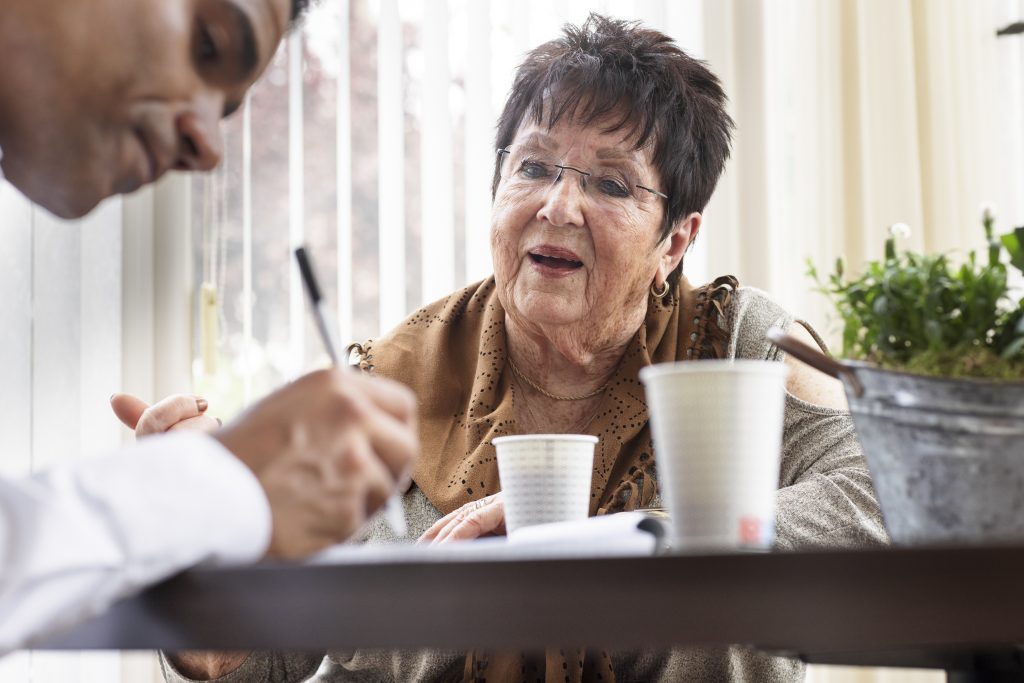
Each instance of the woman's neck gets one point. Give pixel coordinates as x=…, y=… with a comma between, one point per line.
x=565, y=361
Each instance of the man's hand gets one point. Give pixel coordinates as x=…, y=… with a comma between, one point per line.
x=177, y=412
x=328, y=450
x=180, y=411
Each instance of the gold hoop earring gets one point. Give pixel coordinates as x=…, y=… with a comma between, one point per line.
x=659, y=293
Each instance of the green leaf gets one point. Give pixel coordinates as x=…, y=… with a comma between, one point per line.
x=994, y=247
x=1014, y=243
x=1014, y=348
x=812, y=272
x=933, y=313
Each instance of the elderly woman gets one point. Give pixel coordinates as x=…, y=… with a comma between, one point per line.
x=608, y=149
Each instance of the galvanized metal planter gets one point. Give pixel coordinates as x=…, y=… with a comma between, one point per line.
x=946, y=455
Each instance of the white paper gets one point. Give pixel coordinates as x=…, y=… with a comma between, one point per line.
x=626, y=534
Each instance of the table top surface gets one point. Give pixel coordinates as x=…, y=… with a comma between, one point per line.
x=863, y=606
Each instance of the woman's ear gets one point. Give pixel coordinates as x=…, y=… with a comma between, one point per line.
x=678, y=241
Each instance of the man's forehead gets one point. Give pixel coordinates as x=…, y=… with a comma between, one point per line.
x=269, y=20
x=278, y=12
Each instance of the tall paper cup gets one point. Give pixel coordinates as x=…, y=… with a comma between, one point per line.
x=545, y=478
x=717, y=429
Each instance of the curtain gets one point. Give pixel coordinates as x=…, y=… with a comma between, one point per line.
x=852, y=116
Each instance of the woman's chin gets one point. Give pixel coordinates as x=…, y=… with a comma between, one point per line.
x=549, y=308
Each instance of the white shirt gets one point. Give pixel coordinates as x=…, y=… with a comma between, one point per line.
x=78, y=537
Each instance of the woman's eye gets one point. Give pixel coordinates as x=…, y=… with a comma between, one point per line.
x=613, y=188
x=533, y=170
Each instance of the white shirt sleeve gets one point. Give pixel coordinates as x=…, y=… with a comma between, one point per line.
x=76, y=538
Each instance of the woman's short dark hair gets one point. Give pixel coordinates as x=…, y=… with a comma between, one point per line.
x=648, y=87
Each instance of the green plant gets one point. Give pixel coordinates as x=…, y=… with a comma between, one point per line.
x=922, y=313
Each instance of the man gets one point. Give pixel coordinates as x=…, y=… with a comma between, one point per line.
x=97, y=98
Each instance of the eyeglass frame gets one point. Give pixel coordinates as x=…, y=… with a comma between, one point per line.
x=583, y=175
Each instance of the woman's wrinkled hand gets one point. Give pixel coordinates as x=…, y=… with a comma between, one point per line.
x=176, y=412
x=484, y=517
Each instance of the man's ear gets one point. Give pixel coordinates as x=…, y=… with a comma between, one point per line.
x=678, y=241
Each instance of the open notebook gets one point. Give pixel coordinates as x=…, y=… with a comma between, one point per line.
x=626, y=534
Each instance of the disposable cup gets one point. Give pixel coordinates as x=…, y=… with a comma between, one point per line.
x=545, y=478
x=717, y=431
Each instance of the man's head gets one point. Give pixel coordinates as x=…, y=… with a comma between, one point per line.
x=99, y=98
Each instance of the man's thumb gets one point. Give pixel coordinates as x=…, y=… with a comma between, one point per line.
x=128, y=408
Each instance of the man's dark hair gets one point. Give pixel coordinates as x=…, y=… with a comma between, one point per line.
x=298, y=7
x=644, y=85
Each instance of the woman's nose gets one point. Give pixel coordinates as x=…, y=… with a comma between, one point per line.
x=199, y=142
x=563, y=203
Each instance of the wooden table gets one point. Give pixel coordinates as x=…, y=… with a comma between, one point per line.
x=956, y=609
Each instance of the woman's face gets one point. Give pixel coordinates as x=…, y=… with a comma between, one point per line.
x=585, y=257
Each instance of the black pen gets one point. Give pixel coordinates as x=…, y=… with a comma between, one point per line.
x=320, y=313
x=393, y=510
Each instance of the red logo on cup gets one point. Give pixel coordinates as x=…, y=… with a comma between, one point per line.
x=750, y=530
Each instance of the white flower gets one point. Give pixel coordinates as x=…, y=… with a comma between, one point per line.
x=901, y=230
x=988, y=211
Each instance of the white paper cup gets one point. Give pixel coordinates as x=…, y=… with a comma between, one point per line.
x=717, y=429
x=545, y=478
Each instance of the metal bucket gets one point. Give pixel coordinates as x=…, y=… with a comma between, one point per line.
x=946, y=455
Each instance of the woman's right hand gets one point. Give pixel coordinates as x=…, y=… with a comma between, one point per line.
x=484, y=517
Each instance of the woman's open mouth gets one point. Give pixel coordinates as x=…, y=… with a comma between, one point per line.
x=551, y=261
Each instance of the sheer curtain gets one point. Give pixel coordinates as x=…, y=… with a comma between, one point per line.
x=856, y=115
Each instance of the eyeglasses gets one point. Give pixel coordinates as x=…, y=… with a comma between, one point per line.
x=607, y=184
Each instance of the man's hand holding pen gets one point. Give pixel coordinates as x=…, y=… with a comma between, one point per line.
x=328, y=450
